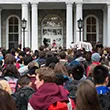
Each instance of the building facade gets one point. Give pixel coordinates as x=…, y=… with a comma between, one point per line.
x=54, y=20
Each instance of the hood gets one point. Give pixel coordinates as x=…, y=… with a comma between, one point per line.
x=46, y=95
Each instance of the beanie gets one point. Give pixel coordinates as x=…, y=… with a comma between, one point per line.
x=95, y=57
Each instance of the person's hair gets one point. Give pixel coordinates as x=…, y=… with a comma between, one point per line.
x=46, y=74
x=22, y=53
x=50, y=60
x=60, y=68
x=6, y=101
x=52, y=65
x=42, y=54
x=77, y=71
x=100, y=73
x=13, y=51
x=9, y=59
x=27, y=60
x=62, y=55
x=11, y=70
x=32, y=64
x=41, y=48
x=5, y=86
x=87, y=97
x=24, y=80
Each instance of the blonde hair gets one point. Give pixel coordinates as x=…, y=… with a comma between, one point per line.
x=5, y=86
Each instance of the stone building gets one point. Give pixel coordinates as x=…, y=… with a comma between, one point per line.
x=54, y=20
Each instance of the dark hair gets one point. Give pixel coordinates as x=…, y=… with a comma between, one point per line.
x=46, y=74
x=100, y=73
x=11, y=70
x=42, y=54
x=6, y=101
x=77, y=71
x=9, y=59
x=52, y=65
x=61, y=79
x=62, y=55
x=24, y=80
x=13, y=51
x=27, y=60
x=87, y=97
x=60, y=68
x=41, y=48
x=22, y=53
x=50, y=60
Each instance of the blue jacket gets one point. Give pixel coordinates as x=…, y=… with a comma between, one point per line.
x=102, y=89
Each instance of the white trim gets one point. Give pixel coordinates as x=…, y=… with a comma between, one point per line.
x=97, y=27
x=7, y=28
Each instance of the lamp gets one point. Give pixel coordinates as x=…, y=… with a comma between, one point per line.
x=80, y=26
x=23, y=25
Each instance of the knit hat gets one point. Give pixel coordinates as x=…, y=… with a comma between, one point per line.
x=95, y=57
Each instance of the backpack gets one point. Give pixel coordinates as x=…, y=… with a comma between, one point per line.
x=61, y=105
x=12, y=82
x=21, y=98
x=105, y=101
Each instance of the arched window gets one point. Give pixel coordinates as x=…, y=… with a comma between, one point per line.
x=91, y=29
x=13, y=32
x=52, y=29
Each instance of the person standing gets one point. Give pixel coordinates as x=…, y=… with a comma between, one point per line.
x=54, y=44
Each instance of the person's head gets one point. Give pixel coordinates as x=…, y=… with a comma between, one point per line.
x=95, y=57
x=9, y=59
x=24, y=80
x=88, y=55
x=60, y=68
x=99, y=47
x=51, y=65
x=62, y=55
x=50, y=60
x=27, y=60
x=22, y=54
x=32, y=64
x=6, y=101
x=87, y=97
x=77, y=71
x=5, y=86
x=41, y=48
x=11, y=70
x=44, y=75
x=100, y=75
x=42, y=54
x=49, y=54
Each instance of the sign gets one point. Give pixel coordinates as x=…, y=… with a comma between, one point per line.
x=80, y=45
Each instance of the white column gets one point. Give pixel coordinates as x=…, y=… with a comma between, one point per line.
x=105, y=27
x=0, y=27
x=29, y=25
x=34, y=26
x=25, y=16
x=108, y=25
x=69, y=24
x=77, y=17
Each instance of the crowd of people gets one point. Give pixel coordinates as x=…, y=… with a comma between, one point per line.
x=55, y=79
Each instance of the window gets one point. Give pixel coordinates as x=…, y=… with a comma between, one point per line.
x=13, y=32
x=91, y=31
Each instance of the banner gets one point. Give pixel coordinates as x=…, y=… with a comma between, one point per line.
x=80, y=45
